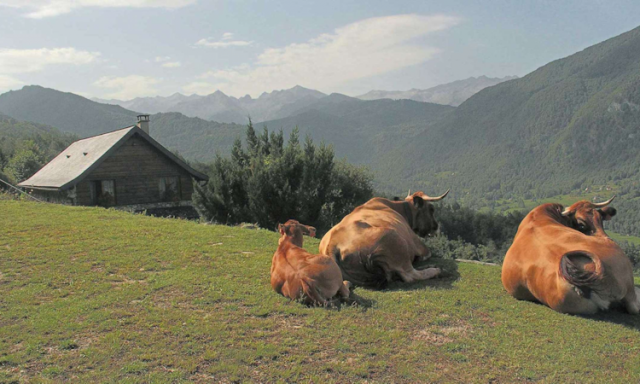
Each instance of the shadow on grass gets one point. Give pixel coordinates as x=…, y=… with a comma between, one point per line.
x=355, y=300
x=446, y=279
x=617, y=315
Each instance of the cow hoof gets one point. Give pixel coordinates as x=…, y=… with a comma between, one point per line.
x=348, y=285
x=431, y=273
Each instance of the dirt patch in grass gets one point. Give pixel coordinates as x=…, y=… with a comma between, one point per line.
x=430, y=337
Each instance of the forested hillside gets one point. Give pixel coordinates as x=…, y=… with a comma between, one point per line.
x=25, y=147
x=572, y=126
x=194, y=138
x=362, y=131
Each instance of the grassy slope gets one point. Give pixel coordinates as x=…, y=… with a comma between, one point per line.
x=90, y=294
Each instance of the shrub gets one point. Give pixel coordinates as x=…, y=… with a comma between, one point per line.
x=269, y=182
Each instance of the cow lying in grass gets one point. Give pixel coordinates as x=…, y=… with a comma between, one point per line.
x=380, y=240
x=564, y=259
x=299, y=275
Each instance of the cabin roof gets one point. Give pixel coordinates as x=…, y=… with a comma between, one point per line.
x=82, y=156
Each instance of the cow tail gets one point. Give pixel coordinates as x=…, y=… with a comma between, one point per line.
x=369, y=273
x=573, y=271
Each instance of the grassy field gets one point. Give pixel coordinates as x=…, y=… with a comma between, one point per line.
x=94, y=295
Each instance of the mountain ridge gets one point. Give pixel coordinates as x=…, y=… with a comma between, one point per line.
x=220, y=107
x=453, y=93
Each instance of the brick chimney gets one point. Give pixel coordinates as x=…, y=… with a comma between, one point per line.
x=143, y=123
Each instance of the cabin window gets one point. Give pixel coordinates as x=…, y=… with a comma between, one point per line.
x=103, y=193
x=169, y=188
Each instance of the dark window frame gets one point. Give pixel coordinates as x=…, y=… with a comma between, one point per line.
x=97, y=191
x=162, y=189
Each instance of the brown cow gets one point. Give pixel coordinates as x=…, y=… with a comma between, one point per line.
x=299, y=275
x=380, y=239
x=564, y=259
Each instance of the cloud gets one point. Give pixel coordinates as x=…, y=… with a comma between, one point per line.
x=34, y=60
x=199, y=87
x=172, y=64
x=128, y=87
x=359, y=50
x=225, y=42
x=166, y=62
x=40, y=9
x=8, y=83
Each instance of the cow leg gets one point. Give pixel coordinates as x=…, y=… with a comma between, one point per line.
x=411, y=274
x=421, y=251
x=344, y=290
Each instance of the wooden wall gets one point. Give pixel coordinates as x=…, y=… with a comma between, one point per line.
x=136, y=168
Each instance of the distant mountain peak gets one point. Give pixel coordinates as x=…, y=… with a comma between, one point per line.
x=454, y=93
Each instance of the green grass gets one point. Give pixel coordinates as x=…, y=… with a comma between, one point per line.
x=94, y=295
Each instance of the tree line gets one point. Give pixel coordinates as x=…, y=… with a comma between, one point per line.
x=26, y=147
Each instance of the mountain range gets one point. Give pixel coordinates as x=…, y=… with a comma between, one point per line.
x=66, y=111
x=357, y=129
x=226, y=109
x=454, y=93
x=284, y=103
x=570, y=125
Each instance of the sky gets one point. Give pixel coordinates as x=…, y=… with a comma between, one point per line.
x=122, y=49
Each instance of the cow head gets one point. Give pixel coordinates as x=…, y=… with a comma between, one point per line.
x=293, y=230
x=423, y=221
x=587, y=217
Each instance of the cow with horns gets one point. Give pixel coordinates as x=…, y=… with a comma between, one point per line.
x=380, y=240
x=564, y=259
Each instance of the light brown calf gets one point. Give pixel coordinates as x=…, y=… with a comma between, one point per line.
x=299, y=275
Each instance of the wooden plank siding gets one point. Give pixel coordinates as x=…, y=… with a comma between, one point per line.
x=136, y=167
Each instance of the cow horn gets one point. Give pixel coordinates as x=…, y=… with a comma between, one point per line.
x=604, y=204
x=436, y=198
x=409, y=193
x=566, y=212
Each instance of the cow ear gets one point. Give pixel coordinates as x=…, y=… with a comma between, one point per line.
x=418, y=201
x=607, y=212
x=281, y=229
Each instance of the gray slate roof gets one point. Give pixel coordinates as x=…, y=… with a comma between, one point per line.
x=82, y=156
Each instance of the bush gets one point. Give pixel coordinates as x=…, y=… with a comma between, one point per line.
x=269, y=183
x=472, y=235
x=26, y=161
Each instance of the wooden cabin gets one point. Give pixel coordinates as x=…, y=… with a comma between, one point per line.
x=124, y=168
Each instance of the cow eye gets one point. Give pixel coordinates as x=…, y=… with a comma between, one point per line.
x=582, y=227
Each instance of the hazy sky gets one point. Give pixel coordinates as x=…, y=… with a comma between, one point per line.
x=129, y=48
